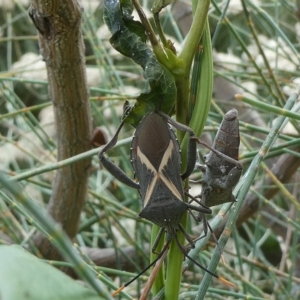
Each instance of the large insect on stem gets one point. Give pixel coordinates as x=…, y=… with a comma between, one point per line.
x=156, y=160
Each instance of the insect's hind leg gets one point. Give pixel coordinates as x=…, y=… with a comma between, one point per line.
x=111, y=167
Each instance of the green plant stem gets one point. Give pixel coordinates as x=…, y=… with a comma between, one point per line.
x=159, y=281
x=42, y=82
x=159, y=30
x=63, y=163
x=25, y=110
x=280, y=213
x=265, y=16
x=202, y=104
x=164, y=55
x=195, y=33
x=269, y=108
x=149, y=30
x=187, y=55
x=205, y=85
x=204, y=90
x=281, y=97
x=174, y=266
x=287, y=195
x=247, y=52
x=278, y=149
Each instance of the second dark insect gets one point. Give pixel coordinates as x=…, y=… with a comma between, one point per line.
x=221, y=175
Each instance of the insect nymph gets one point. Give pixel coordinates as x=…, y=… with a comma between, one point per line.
x=221, y=175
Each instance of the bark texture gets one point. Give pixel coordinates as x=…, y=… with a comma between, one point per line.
x=61, y=45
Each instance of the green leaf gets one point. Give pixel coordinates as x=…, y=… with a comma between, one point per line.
x=128, y=40
x=24, y=276
x=133, y=26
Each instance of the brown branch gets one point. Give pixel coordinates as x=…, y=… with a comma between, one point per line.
x=62, y=48
x=107, y=257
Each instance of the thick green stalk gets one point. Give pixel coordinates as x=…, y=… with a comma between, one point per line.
x=198, y=119
x=195, y=33
x=205, y=85
x=159, y=281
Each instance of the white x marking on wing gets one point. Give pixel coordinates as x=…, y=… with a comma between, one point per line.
x=158, y=175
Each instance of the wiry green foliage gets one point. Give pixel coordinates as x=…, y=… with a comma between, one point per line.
x=258, y=62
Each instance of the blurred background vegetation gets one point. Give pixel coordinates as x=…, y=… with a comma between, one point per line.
x=256, y=45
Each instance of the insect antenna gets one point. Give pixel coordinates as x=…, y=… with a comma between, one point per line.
x=152, y=277
x=166, y=246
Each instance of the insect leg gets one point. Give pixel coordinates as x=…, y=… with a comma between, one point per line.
x=118, y=173
x=165, y=248
x=220, y=154
x=190, y=258
x=157, y=239
x=111, y=143
x=231, y=179
x=187, y=236
x=111, y=167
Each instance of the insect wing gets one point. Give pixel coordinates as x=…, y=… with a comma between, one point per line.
x=156, y=160
x=227, y=141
